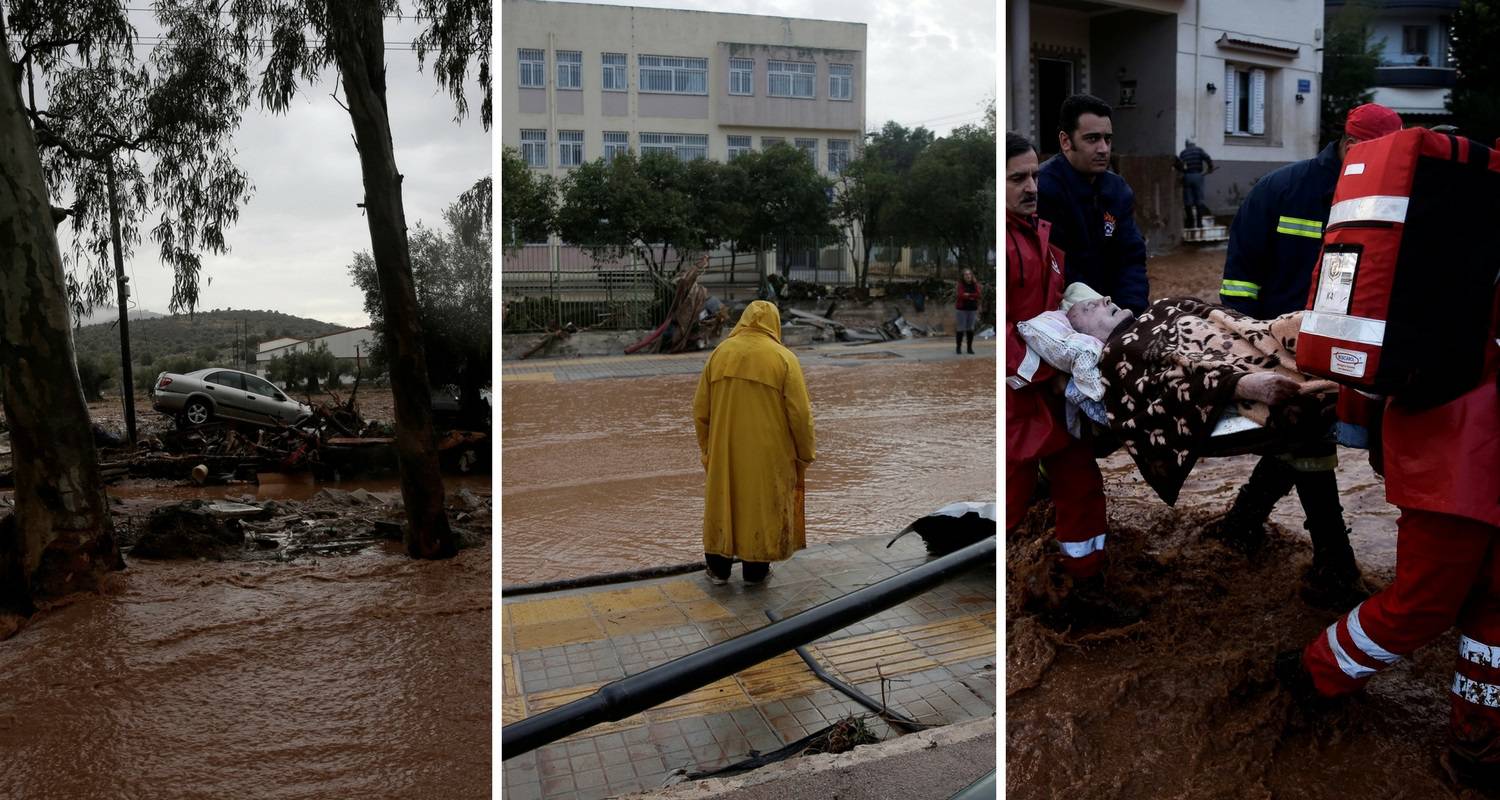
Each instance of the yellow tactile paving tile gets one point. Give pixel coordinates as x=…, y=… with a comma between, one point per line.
x=621, y=600
x=786, y=675
x=543, y=701
x=684, y=591
x=715, y=698
x=512, y=709
x=528, y=377
x=867, y=657
x=705, y=611
x=641, y=620
x=955, y=640
x=537, y=612
x=555, y=633
x=510, y=686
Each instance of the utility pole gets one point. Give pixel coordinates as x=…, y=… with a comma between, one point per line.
x=127, y=381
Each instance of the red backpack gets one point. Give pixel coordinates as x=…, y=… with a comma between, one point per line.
x=1403, y=295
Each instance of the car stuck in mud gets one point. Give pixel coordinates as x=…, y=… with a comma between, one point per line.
x=199, y=396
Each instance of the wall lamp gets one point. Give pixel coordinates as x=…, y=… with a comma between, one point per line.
x=1212, y=88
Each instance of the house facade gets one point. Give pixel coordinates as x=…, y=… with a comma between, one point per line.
x=1240, y=79
x=351, y=347
x=1416, y=74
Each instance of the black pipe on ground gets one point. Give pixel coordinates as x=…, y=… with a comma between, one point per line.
x=636, y=693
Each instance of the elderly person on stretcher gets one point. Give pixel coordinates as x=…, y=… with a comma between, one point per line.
x=1164, y=381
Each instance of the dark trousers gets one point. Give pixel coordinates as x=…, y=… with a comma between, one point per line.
x=752, y=571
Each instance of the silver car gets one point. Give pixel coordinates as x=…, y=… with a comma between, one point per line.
x=197, y=397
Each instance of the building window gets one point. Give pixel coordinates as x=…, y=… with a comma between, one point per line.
x=615, y=143
x=838, y=156
x=534, y=147
x=840, y=82
x=742, y=76
x=533, y=69
x=790, y=79
x=738, y=146
x=810, y=147
x=569, y=69
x=672, y=75
x=569, y=148
x=1244, y=100
x=614, y=72
x=768, y=142
x=686, y=146
x=1414, y=39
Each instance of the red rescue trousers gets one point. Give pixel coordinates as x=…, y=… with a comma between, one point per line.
x=1078, y=494
x=1447, y=573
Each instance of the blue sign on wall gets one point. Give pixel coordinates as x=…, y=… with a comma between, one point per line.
x=1304, y=85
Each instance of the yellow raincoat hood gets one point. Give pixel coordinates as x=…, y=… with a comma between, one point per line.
x=755, y=438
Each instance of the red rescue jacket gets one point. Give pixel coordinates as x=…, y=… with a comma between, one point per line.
x=1034, y=423
x=1447, y=459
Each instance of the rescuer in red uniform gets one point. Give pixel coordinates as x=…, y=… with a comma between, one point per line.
x=1442, y=470
x=1035, y=431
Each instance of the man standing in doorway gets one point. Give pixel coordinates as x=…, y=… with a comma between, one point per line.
x=1092, y=210
x=1273, y=250
x=1194, y=164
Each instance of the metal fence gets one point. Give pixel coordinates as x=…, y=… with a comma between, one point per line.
x=552, y=284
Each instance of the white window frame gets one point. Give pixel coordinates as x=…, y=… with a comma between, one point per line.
x=1256, y=99
x=739, y=148
x=685, y=146
x=839, y=153
x=615, y=143
x=612, y=73
x=671, y=75
x=569, y=69
x=808, y=146
x=794, y=79
x=534, y=147
x=840, y=81
x=742, y=76
x=533, y=67
x=569, y=148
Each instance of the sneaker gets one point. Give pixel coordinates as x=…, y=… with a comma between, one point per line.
x=714, y=579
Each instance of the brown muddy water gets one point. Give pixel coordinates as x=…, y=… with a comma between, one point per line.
x=365, y=675
x=1184, y=704
x=603, y=475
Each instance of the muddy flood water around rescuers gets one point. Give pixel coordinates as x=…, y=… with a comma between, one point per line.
x=604, y=475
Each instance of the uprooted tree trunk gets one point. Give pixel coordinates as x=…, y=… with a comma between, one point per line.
x=60, y=538
x=356, y=35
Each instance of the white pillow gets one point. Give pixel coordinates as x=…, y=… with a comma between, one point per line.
x=1050, y=335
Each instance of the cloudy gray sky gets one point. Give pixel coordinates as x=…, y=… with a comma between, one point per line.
x=293, y=244
x=930, y=62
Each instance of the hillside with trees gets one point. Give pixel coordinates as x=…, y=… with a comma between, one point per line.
x=184, y=342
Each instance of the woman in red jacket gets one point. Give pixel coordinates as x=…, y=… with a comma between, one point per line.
x=967, y=315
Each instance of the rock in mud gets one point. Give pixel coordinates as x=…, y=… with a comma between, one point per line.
x=189, y=530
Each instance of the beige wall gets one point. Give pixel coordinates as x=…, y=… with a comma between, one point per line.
x=597, y=29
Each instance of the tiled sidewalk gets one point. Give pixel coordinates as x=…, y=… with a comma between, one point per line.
x=635, y=366
x=936, y=653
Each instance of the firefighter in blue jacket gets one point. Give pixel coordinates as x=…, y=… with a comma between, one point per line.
x=1092, y=210
x=1273, y=249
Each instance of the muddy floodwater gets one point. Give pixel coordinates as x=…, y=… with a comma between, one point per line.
x=603, y=475
x=361, y=676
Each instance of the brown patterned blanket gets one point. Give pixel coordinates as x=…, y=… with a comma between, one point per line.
x=1172, y=372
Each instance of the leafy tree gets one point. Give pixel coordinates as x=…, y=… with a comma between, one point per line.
x=306, y=367
x=530, y=202
x=1474, y=103
x=1349, y=62
x=869, y=190
x=642, y=205
x=94, y=375
x=787, y=200
x=454, y=281
x=951, y=193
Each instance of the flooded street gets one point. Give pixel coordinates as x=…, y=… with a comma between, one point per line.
x=603, y=475
x=313, y=676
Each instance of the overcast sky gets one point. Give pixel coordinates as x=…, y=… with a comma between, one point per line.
x=293, y=244
x=930, y=62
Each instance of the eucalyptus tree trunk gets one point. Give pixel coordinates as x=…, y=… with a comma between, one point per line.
x=60, y=538
x=357, y=37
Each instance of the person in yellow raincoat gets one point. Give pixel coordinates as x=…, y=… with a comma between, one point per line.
x=755, y=435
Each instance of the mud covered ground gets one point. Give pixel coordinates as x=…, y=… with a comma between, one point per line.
x=1183, y=704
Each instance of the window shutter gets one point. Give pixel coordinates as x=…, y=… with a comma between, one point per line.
x=1229, y=82
x=1257, y=101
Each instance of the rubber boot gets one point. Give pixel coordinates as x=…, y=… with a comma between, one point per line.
x=1468, y=772
x=1333, y=581
x=958, y=346
x=969, y=335
x=1090, y=605
x=1244, y=527
x=1296, y=681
